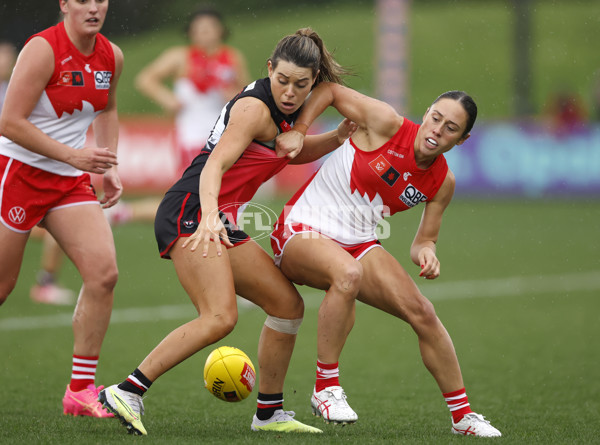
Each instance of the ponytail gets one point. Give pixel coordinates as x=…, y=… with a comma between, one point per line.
x=306, y=49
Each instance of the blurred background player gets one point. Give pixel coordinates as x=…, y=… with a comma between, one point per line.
x=64, y=80
x=565, y=113
x=46, y=288
x=8, y=57
x=205, y=74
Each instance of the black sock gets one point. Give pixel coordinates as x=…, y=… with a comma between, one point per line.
x=45, y=278
x=267, y=404
x=136, y=383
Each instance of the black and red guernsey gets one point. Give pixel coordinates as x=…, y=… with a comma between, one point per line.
x=257, y=164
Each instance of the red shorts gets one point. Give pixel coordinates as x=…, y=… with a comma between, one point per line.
x=178, y=215
x=28, y=193
x=283, y=233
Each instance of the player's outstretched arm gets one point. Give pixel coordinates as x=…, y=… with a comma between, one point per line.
x=150, y=80
x=378, y=119
x=318, y=145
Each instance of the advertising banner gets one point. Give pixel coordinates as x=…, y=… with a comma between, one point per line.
x=507, y=159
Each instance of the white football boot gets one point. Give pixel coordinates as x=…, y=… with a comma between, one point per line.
x=331, y=404
x=126, y=406
x=474, y=424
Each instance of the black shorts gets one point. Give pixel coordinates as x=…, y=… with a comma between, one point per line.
x=178, y=216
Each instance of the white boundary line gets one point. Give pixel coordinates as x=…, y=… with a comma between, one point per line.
x=511, y=286
x=453, y=290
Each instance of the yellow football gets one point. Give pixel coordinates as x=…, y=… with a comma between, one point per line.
x=229, y=374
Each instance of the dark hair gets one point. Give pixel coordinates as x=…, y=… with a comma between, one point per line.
x=468, y=104
x=306, y=49
x=210, y=12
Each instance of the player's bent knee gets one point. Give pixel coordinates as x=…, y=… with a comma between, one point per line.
x=226, y=329
x=105, y=278
x=348, y=280
x=110, y=280
x=209, y=329
x=221, y=324
x=286, y=305
x=289, y=311
x=228, y=320
x=423, y=313
x=283, y=325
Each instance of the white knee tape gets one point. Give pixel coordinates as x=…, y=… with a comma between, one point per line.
x=282, y=325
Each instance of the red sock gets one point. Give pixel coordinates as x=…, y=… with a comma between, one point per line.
x=458, y=404
x=84, y=372
x=327, y=375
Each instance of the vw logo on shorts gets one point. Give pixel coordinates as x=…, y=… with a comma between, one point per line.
x=16, y=215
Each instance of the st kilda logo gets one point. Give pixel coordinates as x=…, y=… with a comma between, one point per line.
x=16, y=215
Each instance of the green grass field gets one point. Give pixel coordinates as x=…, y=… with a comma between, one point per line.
x=464, y=44
x=518, y=293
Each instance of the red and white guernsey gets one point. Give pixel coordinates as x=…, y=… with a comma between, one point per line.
x=76, y=93
x=200, y=93
x=355, y=189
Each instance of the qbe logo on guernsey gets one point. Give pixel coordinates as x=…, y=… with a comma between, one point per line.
x=411, y=196
x=102, y=79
